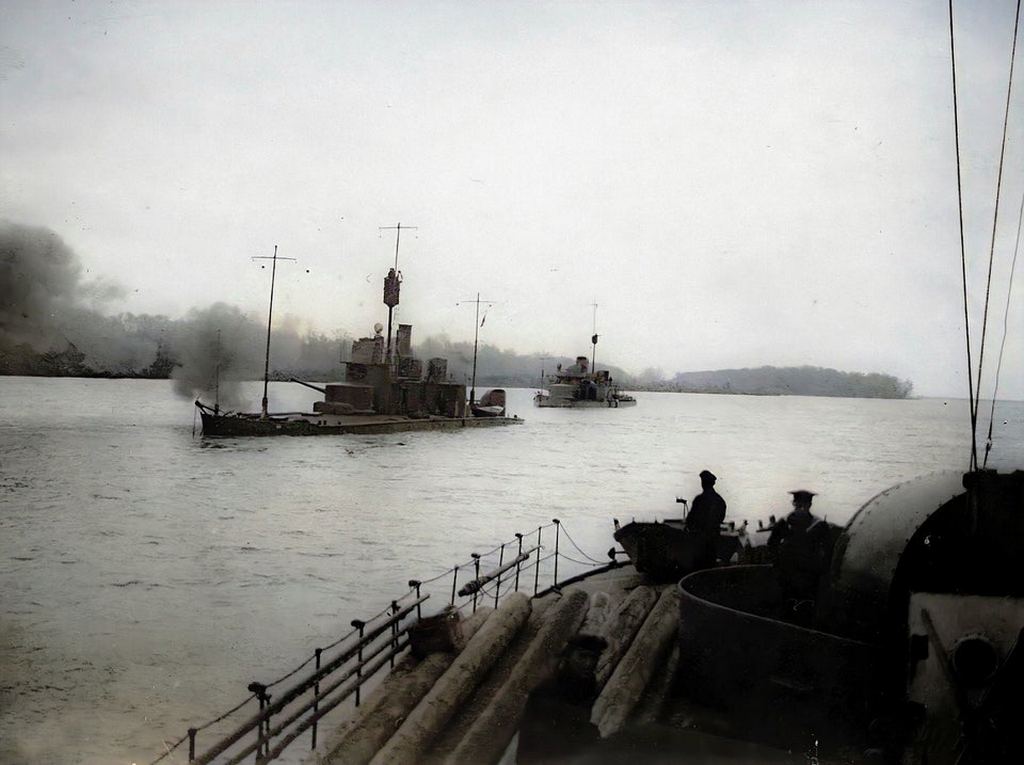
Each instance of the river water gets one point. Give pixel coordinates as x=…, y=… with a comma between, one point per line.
x=148, y=575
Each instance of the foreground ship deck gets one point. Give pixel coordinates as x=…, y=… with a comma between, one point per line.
x=910, y=655
x=506, y=697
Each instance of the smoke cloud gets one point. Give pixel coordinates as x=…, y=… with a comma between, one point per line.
x=217, y=348
x=52, y=323
x=39, y=281
x=46, y=307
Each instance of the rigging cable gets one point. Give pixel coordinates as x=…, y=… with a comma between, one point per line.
x=1002, y=345
x=963, y=254
x=995, y=221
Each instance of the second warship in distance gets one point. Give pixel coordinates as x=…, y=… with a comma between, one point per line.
x=582, y=386
x=579, y=388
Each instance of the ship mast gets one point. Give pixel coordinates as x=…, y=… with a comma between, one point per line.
x=593, y=341
x=542, y=360
x=476, y=340
x=270, y=318
x=392, y=284
x=216, y=382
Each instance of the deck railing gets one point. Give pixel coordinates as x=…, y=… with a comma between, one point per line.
x=339, y=670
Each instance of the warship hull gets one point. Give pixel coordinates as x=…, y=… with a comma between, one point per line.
x=234, y=425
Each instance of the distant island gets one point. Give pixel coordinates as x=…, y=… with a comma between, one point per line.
x=790, y=381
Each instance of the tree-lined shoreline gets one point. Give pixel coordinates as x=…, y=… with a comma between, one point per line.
x=51, y=326
x=496, y=367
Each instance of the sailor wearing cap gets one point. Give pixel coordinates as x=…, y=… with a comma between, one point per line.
x=802, y=544
x=707, y=512
x=798, y=521
x=801, y=515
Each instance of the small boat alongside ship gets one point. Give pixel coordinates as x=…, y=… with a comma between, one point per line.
x=491, y=404
x=665, y=550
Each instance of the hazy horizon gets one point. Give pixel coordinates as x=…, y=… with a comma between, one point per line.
x=736, y=185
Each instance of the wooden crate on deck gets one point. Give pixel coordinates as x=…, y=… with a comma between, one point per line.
x=439, y=633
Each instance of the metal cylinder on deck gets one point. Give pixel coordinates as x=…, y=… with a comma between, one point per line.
x=925, y=535
x=404, y=340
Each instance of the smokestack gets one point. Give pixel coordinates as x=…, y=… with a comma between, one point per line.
x=404, y=340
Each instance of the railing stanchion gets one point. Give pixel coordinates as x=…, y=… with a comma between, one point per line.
x=415, y=583
x=262, y=729
x=497, y=586
x=536, y=570
x=259, y=734
x=360, y=625
x=394, y=631
x=558, y=533
x=266, y=725
x=476, y=566
x=455, y=582
x=316, y=697
x=519, y=564
x=192, y=743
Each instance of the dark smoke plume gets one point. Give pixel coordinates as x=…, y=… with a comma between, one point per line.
x=51, y=324
x=46, y=308
x=39, y=282
x=217, y=348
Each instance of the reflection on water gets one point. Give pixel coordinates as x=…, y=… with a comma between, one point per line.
x=148, y=577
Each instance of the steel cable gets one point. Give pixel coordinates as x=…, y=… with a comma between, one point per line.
x=1002, y=345
x=995, y=216
x=963, y=251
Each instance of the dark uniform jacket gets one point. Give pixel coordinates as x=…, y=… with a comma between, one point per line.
x=802, y=545
x=706, y=513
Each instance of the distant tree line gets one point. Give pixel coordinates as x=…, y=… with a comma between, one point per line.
x=190, y=349
x=791, y=381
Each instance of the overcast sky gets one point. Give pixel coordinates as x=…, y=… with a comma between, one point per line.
x=734, y=183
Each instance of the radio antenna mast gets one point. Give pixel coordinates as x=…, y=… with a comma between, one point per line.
x=392, y=283
x=476, y=339
x=270, y=317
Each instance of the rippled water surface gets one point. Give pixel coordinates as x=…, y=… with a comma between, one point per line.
x=149, y=575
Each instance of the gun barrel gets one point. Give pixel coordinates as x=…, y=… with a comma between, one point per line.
x=308, y=385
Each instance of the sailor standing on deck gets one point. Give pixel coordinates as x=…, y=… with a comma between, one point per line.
x=802, y=548
x=705, y=519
